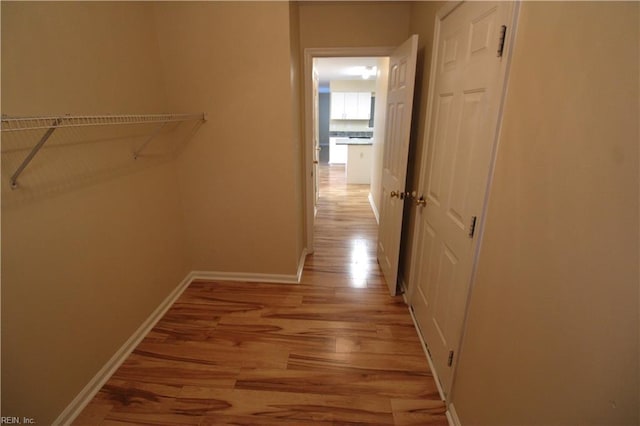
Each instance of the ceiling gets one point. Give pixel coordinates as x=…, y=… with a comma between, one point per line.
x=341, y=68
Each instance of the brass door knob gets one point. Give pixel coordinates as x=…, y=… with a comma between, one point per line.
x=421, y=201
x=395, y=194
x=315, y=161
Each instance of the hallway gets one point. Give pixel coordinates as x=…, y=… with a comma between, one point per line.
x=336, y=349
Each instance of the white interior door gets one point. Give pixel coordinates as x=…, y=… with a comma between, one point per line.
x=402, y=70
x=466, y=92
x=316, y=141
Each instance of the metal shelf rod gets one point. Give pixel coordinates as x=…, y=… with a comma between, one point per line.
x=15, y=124
x=50, y=123
x=34, y=151
x=149, y=139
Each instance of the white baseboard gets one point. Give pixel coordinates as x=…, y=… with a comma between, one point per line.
x=374, y=208
x=426, y=352
x=244, y=277
x=95, y=384
x=452, y=416
x=303, y=258
x=252, y=277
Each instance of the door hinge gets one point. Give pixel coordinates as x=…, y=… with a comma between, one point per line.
x=503, y=36
x=450, y=360
x=472, y=226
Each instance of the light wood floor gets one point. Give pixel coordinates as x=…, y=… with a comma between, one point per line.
x=334, y=350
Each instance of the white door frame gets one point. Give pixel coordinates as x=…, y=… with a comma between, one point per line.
x=442, y=13
x=309, y=54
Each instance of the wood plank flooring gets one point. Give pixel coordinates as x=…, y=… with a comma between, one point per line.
x=334, y=350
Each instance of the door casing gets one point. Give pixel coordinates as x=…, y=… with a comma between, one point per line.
x=309, y=54
x=477, y=243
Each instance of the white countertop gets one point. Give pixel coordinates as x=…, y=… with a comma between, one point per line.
x=354, y=141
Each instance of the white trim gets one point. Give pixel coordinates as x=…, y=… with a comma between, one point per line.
x=85, y=396
x=446, y=9
x=426, y=352
x=374, y=209
x=307, y=153
x=512, y=14
x=309, y=54
x=245, y=277
x=452, y=416
x=252, y=277
x=303, y=258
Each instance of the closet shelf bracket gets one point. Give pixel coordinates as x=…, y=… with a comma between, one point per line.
x=34, y=151
x=51, y=123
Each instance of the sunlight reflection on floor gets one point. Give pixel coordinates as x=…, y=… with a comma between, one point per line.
x=359, y=266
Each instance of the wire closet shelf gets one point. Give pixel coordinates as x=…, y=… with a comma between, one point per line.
x=51, y=123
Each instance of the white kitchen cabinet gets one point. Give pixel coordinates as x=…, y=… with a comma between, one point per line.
x=359, y=163
x=338, y=153
x=350, y=105
x=337, y=105
x=364, y=106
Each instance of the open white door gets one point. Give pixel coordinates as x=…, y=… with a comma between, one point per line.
x=465, y=96
x=316, y=141
x=402, y=72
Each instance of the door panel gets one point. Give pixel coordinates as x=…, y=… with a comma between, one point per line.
x=316, y=140
x=441, y=122
x=402, y=66
x=447, y=270
x=467, y=93
x=463, y=156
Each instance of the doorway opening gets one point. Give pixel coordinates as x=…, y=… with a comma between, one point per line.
x=343, y=117
x=346, y=107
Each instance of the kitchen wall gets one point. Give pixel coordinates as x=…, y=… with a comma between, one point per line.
x=240, y=176
x=324, y=111
x=552, y=330
x=92, y=241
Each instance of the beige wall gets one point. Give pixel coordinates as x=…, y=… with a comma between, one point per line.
x=91, y=251
x=353, y=24
x=552, y=334
x=297, y=118
x=88, y=254
x=92, y=241
x=238, y=175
